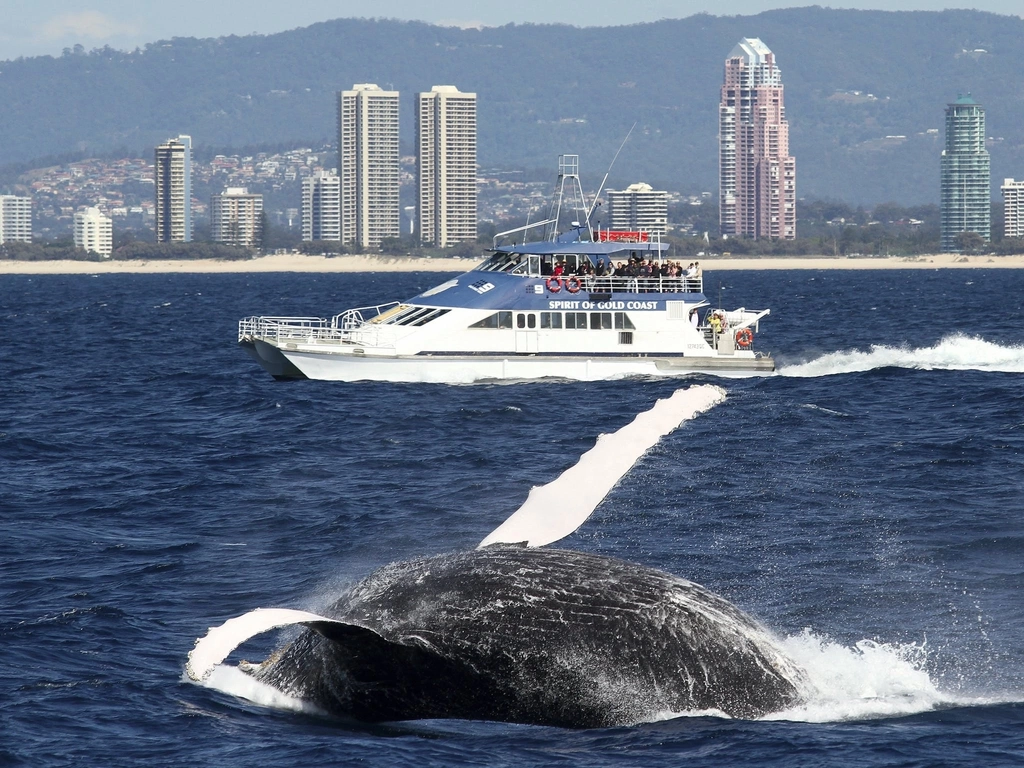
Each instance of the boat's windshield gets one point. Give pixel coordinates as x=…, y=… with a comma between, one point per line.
x=535, y=265
x=505, y=262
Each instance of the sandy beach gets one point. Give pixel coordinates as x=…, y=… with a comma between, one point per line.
x=296, y=263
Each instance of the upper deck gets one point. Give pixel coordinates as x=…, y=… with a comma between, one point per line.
x=604, y=267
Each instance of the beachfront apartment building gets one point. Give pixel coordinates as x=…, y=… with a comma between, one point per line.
x=1013, y=208
x=94, y=232
x=368, y=165
x=15, y=219
x=965, y=192
x=236, y=217
x=639, y=207
x=446, y=188
x=757, y=175
x=172, y=176
x=321, y=206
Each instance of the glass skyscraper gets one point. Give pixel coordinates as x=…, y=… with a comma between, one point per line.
x=756, y=173
x=965, y=184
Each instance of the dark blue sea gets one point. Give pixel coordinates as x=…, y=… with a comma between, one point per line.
x=866, y=504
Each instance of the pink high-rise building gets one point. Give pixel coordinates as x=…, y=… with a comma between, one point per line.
x=756, y=174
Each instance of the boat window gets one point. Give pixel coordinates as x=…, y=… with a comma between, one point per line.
x=398, y=315
x=600, y=321
x=520, y=320
x=577, y=320
x=410, y=318
x=531, y=321
x=550, y=319
x=501, y=262
x=622, y=322
x=431, y=316
x=497, y=320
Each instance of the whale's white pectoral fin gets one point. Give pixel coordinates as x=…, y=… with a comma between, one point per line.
x=555, y=510
x=220, y=641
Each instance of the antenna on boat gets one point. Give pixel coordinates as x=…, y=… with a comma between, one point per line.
x=605, y=179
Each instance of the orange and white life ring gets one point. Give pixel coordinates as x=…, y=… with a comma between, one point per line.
x=573, y=285
x=744, y=337
x=554, y=284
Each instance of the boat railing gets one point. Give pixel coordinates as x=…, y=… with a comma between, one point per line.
x=280, y=329
x=620, y=284
x=350, y=326
x=353, y=319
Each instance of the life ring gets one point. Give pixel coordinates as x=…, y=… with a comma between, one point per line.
x=554, y=284
x=744, y=337
x=573, y=285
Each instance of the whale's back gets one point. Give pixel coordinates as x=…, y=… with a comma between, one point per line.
x=536, y=636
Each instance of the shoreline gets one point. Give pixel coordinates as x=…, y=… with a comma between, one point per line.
x=352, y=264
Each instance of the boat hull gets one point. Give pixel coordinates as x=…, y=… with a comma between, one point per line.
x=271, y=358
x=465, y=369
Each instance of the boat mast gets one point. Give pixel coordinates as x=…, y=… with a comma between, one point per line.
x=569, y=173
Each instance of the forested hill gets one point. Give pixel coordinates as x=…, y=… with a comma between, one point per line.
x=548, y=89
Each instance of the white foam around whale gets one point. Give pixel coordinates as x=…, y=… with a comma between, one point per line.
x=553, y=511
x=869, y=680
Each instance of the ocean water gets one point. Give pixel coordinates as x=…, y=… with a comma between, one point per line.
x=866, y=504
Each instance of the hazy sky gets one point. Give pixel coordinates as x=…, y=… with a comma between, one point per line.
x=48, y=26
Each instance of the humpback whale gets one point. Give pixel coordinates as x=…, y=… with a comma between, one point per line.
x=516, y=632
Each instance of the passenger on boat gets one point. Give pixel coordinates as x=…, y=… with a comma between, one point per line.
x=715, y=323
x=698, y=272
x=559, y=270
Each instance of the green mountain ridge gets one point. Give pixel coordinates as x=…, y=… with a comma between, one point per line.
x=544, y=90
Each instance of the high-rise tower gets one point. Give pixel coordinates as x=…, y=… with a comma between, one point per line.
x=94, y=232
x=446, y=165
x=639, y=207
x=965, y=184
x=1013, y=208
x=756, y=174
x=15, y=219
x=173, y=178
x=236, y=217
x=321, y=207
x=368, y=165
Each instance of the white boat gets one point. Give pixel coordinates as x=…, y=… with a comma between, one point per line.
x=548, y=309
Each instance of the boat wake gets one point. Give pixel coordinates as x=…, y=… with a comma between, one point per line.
x=956, y=352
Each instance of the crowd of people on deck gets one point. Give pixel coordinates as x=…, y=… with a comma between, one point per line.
x=635, y=267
